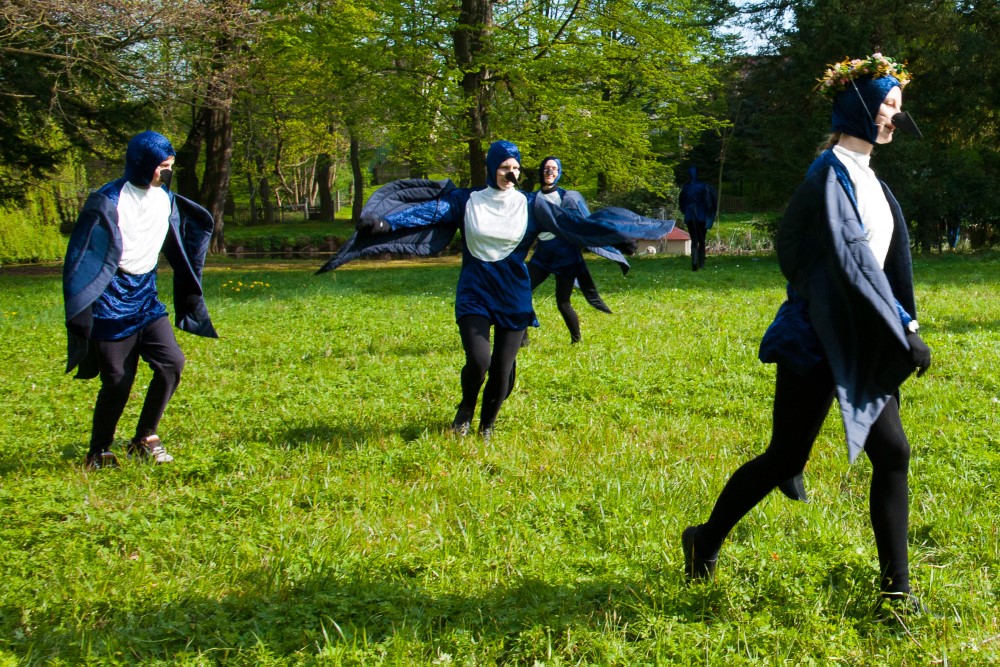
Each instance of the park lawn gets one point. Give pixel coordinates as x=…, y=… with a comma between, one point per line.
x=320, y=512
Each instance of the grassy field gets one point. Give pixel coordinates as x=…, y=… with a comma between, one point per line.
x=320, y=512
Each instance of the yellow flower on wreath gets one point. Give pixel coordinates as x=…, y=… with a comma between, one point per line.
x=838, y=75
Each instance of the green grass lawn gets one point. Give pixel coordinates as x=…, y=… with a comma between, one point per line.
x=320, y=512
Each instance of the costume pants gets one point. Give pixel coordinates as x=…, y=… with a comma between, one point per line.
x=118, y=361
x=801, y=403
x=564, y=290
x=698, y=231
x=479, y=362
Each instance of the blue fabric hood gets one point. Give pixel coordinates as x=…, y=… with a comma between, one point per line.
x=550, y=158
x=145, y=152
x=855, y=107
x=498, y=152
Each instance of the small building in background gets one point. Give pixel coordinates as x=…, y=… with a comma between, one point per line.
x=677, y=242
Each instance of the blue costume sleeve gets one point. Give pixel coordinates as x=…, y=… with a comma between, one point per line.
x=711, y=205
x=427, y=241
x=607, y=227
x=828, y=159
x=91, y=256
x=904, y=316
x=411, y=203
x=574, y=201
x=186, y=247
x=405, y=217
x=614, y=254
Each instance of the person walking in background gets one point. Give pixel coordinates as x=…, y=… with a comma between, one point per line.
x=498, y=224
x=698, y=201
x=556, y=256
x=848, y=328
x=113, y=313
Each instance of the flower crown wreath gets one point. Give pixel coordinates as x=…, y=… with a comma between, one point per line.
x=839, y=75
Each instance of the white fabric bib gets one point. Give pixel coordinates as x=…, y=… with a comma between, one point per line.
x=495, y=222
x=876, y=215
x=556, y=199
x=143, y=218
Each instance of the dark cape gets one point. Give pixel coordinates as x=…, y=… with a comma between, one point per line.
x=94, y=252
x=415, y=217
x=853, y=310
x=564, y=258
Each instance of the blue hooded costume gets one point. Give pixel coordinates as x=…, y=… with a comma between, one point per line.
x=102, y=301
x=498, y=228
x=557, y=256
x=842, y=307
x=698, y=200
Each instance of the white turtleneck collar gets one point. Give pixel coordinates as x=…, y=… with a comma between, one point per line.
x=876, y=216
x=495, y=222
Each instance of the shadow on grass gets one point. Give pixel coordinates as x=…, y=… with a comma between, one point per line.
x=515, y=623
x=70, y=453
x=335, y=438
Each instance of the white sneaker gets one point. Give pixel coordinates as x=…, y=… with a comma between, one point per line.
x=149, y=449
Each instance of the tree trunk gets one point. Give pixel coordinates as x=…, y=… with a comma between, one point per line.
x=602, y=184
x=359, y=180
x=265, y=200
x=253, y=199
x=323, y=179
x=218, y=159
x=470, y=42
x=186, y=162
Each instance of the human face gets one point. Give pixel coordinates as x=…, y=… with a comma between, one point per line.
x=159, y=178
x=508, y=166
x=891, y=105
x=550, y=174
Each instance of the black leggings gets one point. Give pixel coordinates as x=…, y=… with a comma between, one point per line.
x=118, y=361
x=801, y=403
x=698, y=230
x=475, y=332
x=564, y=290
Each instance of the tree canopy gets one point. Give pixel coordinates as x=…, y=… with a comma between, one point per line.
x=279, y=100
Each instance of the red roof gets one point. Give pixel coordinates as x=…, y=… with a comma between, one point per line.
x=678, y=234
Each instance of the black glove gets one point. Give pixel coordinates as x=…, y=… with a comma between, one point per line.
x=371, y=225
x=919, y=352
x=627, y=247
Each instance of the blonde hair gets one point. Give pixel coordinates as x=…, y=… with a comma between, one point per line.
x=831, y=141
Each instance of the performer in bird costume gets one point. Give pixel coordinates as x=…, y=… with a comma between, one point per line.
x=113, y=313
x=556, y=256
x=498, y=225
x=847, y=330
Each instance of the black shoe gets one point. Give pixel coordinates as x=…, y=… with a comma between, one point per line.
x=462, y=422
x=695, y=566
x=794, y=488
x=900, y=605
x=101, y=461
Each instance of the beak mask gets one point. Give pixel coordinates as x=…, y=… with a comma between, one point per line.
x=903, y=121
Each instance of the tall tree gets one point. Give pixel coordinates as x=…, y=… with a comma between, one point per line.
x=77, y=75
x=471, y=41
x=951, y=49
